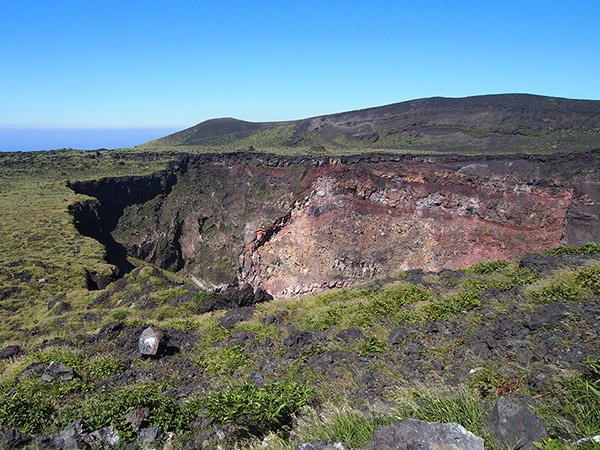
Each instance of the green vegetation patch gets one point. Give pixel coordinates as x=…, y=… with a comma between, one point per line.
x=575, y=286
x=485, y=267
x=258, y=409
x=457, y=303
x=224, y=361
x=590, y=248
x=362, y=307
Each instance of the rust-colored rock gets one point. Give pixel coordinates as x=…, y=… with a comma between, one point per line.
x=358, y=222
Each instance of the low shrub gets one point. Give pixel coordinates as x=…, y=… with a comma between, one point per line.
x=568, y=287
x=365, y=306
x=258, y=409
x=590, y=248
x=224, y=361
x=463, y=301
x=26, y=410
x=110, y=408
x=371, y=345
x=486, y=267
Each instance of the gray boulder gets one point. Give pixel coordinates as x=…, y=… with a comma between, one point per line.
x=71, y=438
x=350, y=334
x=57, y=372
x=411, y=434
x=104, y=437
x=514, y=426
x=13, y=438
x=152, y=341
x=10, y=352
x=136, y=417
x=149, y=436
x=398, y=336
x=31, y=370
x=323, y=444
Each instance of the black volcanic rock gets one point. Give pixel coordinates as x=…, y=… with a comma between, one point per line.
x=10, y=352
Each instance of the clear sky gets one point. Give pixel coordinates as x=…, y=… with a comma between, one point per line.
x=171, y=64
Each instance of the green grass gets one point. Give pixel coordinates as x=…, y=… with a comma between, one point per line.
x=570, y=286
x=260, y=410
x=591, y=248
x=362, y=307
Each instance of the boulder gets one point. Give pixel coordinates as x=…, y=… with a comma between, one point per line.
x=149, y=436
x=350, y=334
x=410, y=434
x=10, y=352
x=323, y=444
x=71, y=438
x=136, y=417
x=299, y=341
x=104, y=437
x=13, y=438
x=56, y=371
x=231, y=318
x=152, y=341
x=514, y=426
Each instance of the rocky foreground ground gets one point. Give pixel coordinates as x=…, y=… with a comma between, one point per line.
x=508, y=351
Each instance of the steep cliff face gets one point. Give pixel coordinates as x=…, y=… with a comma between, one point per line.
x=297, y=225
x=215, y=207
x=371, y=220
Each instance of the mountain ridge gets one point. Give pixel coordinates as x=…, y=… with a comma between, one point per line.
x=486, y=123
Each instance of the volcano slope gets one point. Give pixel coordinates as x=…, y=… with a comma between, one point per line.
x=441, y=254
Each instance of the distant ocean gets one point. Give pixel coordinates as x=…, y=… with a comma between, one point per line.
x=31, y=139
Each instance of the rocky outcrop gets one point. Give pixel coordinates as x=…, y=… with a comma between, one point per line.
x=417, y=434
x=514, y=426
x=360, y=221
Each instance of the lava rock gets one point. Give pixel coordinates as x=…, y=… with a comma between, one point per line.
x=299, y=341
x=350, y=334
x=13, y=438
x=149, y=436
x=108, y=331
x=62, y=308
x=325, y=361
x=104, y=437
x=136, y=417
x=514, y=426
x=10, y=352
x=398, y=336
x=152, y=341
x=416, y=434
x=71, y=438
x=537, y=262
x=231, y=318
x=36, y=368
x=258, y=379
x=323, y=444
x=56, y=371
x=238, y=337
x=550, y=314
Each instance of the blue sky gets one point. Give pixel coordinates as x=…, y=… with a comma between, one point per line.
x=169, y=65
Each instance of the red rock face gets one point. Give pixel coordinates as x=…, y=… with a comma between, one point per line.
x=356, y=222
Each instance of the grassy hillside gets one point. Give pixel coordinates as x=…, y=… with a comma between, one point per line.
x=493, y=124
x=434, y=346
